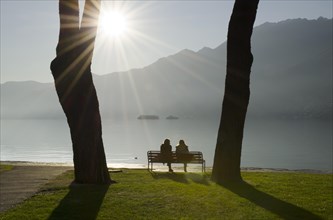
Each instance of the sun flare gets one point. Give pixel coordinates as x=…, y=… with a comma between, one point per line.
x=113, y=23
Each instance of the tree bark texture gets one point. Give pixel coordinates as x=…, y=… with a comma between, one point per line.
x=71, y=70
x=226, y=167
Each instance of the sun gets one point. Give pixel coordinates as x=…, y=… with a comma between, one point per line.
x=113, y=23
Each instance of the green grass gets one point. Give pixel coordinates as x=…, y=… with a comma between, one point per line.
x=5, y=167
x=143, y=195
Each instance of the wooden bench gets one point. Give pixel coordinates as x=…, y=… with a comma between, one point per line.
x=196, y=157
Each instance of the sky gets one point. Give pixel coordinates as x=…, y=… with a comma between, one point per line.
x=155, y=29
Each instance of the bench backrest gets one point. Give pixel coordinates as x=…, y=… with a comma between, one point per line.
x=195, y=157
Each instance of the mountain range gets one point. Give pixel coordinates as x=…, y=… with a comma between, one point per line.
x=291, y=77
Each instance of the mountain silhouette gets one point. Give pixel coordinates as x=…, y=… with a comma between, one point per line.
x=291, y=78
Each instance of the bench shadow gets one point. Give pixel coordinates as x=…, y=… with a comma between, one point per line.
x=81, y=202
x=200, y=179
x=182, y=177
x=279, y=207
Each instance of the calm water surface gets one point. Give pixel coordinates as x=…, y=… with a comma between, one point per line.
x=289, y=144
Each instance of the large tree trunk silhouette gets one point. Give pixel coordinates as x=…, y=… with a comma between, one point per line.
x=226, y=165
x=71, y=70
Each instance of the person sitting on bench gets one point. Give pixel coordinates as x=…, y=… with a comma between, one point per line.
x=183, y=153
x=166, y=153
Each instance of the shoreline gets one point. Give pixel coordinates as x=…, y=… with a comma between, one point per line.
x=162, y=168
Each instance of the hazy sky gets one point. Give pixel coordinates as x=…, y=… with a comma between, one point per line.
x=155, y=29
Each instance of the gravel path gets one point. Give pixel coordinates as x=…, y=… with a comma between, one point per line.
x=23, y=182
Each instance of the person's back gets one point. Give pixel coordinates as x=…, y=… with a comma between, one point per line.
x=166, y=149
x=182, y=148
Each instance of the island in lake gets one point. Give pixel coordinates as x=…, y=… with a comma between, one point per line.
x=171, y=117
x=150, y=117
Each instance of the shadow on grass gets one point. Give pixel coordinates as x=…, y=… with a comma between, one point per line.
x=182, y=177
x=281, y=208
x=81, y=202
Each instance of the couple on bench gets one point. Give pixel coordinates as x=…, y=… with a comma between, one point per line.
x=182, y=153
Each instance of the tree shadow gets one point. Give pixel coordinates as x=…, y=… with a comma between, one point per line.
x=81, y=202
x=281, y=208
x=182, y=177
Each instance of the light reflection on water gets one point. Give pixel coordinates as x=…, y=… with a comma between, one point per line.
x=267, y=143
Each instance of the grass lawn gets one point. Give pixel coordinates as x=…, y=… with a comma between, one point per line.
x=5, y=167
x=143, y=195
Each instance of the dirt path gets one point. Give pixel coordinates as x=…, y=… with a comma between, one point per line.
x=23, y=182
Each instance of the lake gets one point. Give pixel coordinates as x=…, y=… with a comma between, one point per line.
x=289, y=144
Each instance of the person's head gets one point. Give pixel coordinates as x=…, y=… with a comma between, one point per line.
x=167, y=141
x=181, y=142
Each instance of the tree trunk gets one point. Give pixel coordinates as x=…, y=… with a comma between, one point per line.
x=226, y=165
x=71, y=70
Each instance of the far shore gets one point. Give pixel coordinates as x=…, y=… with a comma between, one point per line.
x=163, y=168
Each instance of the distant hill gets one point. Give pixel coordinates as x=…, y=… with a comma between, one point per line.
x=291, y=77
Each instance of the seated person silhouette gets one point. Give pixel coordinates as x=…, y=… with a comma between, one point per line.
x=166, y=153
x=183, y=153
